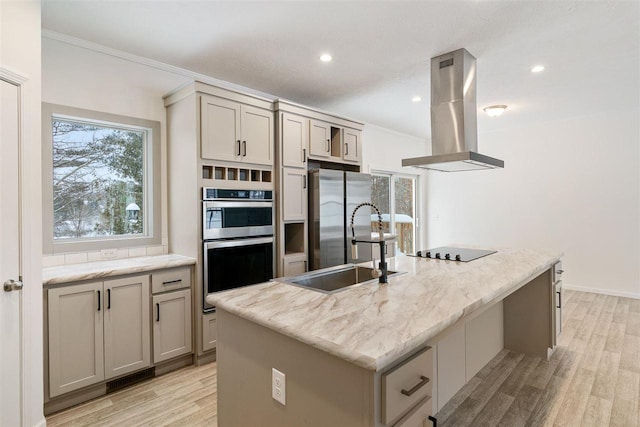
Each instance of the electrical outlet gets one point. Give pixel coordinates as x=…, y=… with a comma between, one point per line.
x=278, y=386
x=108, y=253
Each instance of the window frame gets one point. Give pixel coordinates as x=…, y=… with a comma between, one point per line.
x=392, y=175
x=152, y=181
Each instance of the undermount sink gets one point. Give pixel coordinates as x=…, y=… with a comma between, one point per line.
x=334, y=279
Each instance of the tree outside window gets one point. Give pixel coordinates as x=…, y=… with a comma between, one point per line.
x=98, y=180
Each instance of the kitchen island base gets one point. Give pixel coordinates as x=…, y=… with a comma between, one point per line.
x=321, y=389
x=338, y=374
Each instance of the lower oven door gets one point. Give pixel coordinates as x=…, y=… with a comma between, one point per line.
x=234, y=263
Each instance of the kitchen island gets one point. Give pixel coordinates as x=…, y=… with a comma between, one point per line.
x=425, y=333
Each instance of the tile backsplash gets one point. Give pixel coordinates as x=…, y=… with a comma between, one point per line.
x=81, y=257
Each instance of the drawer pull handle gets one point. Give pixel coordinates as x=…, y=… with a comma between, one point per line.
x=559, y=299
x=423, y=380
x=171, y=282
x=433, y=420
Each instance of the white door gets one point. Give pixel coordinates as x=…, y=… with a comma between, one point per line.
x=10, y=301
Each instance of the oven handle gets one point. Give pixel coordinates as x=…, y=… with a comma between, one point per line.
x=220, y=204
x=216, y=244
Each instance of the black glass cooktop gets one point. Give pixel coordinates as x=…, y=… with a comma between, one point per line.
x=454, y=254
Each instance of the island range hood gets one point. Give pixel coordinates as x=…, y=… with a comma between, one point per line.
x=454, y=130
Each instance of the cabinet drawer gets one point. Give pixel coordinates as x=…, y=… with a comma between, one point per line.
x=418, y=415
x=406, y=384
x=171, y=279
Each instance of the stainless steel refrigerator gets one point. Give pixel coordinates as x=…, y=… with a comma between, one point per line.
x=333, y=195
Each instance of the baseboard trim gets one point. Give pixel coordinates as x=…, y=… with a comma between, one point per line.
x=601, y=291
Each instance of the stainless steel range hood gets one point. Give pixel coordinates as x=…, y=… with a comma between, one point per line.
x=454, y=130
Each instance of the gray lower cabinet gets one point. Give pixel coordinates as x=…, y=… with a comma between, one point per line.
x=97, y=331
x=127, y=346
x=209, y=331
x=171, y=325
x=76, y=356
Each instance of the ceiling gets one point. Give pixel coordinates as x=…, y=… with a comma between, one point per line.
x=381, y=51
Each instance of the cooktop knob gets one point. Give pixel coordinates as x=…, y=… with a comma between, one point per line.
x=428, y=254
x=458, y=258
x=447, y=256
x=438, y=255
x=419, y=253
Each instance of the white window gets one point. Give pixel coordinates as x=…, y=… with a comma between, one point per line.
x=103, y=187
x=395, y=195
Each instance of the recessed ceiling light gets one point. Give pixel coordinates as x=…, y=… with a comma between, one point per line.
x=416, y=99
x=325, y=57
x=495, y=110
x=537, y=68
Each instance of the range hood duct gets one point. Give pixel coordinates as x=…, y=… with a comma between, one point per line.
x=454, y=129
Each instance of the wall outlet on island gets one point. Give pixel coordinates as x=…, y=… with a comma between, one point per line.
x=278, y=386
x=108, y=253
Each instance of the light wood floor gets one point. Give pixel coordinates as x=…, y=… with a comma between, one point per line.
x=592, y=379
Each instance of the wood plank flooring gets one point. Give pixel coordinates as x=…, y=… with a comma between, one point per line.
x=593, y=378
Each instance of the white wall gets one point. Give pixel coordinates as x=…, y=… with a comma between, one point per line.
x=20, y=53
x=83, y=78
x=383, y=150
x=570, y=185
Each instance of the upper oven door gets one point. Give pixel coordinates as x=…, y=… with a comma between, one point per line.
x=223, y=219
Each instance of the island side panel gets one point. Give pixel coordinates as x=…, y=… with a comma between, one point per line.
x=321, y=389
x=528, y=317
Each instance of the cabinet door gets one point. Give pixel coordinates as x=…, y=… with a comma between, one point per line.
x=352, y=145
x=257, y=135
x=209, y=331
x=220, y=129
x=171, y=325
x=295, y=140
x=127, y=333
x=294, y=264
x=76, y=357
x=294, y=194
x=319, y=139
x=451, y=364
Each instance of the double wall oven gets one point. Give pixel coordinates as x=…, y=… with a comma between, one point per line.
x=238, y=243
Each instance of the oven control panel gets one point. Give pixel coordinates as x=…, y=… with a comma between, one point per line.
x=209, y=193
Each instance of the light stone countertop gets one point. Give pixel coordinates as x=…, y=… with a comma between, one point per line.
x=372, y=325
x=116, y=267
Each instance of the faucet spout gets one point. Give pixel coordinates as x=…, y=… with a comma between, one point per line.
x=383, y=263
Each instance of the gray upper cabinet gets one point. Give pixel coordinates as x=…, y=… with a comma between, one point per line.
x=352, y=151
x=231, y=131
x=76, y=357
x=320, y=139
x=257, y=135
x=295, y=140
x=127, y=345
x=220, y=124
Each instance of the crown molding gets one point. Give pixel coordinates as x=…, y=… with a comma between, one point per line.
x=152, y=63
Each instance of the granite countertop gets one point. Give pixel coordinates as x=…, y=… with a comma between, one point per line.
x=116, y=267
x=372, y=325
